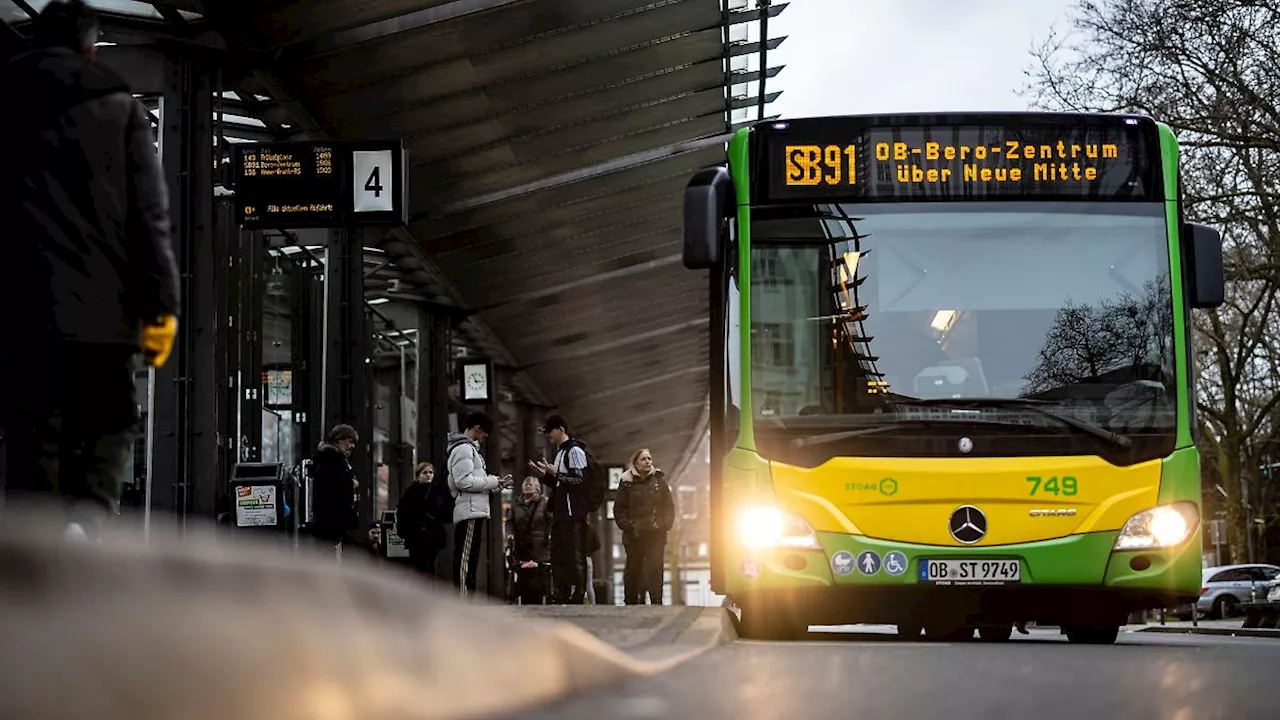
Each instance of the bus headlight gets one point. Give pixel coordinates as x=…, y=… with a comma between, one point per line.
x=765, y=526
x=1160, y=527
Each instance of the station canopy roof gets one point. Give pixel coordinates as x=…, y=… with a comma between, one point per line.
x=549, y=142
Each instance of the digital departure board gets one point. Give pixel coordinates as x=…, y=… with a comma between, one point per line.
x=1041, y=157
x=320, y=184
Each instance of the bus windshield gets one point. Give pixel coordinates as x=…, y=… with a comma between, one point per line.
x=964, y=313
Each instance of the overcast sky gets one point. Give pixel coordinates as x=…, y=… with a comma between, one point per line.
x=864, y=56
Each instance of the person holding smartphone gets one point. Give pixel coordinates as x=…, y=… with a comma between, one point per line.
x=471, y=484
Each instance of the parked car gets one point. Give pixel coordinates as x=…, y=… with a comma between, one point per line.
x=1223, y=588
x=1273, y=595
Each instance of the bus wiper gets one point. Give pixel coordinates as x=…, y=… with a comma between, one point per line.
x=1036, y=406
x=879, y=428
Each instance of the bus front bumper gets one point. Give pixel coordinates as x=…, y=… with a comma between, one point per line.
x=858, y=579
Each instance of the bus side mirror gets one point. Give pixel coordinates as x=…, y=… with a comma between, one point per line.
x=706, y=204
x=1207, y=286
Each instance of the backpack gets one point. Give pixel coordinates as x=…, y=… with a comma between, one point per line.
x=594, y=478
x=440, y=498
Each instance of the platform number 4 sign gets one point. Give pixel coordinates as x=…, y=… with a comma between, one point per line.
x=374, y=184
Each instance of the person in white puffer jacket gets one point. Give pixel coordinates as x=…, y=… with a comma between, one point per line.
x=471, y=485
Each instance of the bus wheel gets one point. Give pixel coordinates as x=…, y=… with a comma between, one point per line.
x=759, y=623
x=995, y=633
x=1091, y=635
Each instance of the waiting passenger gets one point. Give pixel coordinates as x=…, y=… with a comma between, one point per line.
x=333, y=485
x=645, y=512
x=472, y=485
x=529, y=523
x=570, y=506
x=424, y=535
x=88, y=280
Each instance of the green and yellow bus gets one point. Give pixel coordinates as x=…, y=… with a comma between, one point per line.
x=963, y=396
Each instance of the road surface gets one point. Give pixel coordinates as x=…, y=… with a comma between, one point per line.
x=871, y=675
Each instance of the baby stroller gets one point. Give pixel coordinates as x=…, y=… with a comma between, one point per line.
x=527, y=585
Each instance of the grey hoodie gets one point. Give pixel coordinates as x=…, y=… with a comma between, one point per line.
x=469, y=481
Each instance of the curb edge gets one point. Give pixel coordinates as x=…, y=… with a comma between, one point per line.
x=1230, y=632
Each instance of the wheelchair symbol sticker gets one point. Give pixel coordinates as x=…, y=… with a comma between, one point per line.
x=895, y=563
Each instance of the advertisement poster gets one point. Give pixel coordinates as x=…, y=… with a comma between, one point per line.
x=255, y=505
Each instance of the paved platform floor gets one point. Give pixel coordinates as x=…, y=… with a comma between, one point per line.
x=645, y=632
x=624, y=626
x=865, y=672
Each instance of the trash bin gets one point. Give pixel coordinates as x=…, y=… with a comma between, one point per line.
x=392, y=544
x=259, y=497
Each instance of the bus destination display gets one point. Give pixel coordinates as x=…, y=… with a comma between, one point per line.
x=837, y=160
x=313, y=184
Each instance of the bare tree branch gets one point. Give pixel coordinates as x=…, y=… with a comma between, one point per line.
x=1210, y=70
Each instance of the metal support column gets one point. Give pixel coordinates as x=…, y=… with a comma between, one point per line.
x=366, y=470
x=531, y=429
x=226, y=357
x=495, y=570
x=521, y=450
x=433, y=386
x=249, y=258
x=407, y=420
x=346, y=372
x=306, y=348
x=185, y=457
x=395, y=433
x=432, y=370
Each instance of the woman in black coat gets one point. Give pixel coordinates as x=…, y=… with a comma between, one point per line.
x=645, y=512
x=423, y=535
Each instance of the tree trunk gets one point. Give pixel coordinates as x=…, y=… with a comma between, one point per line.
x=1232, y=481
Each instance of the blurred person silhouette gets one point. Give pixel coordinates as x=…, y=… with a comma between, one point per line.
x=529, y=521
x=89, y=275
x=645, y=512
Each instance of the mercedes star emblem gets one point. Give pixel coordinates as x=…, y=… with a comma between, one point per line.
x=966, y=445
x=968, y=524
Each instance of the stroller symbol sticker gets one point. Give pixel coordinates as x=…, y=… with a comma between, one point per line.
x=895, y=563
x=842, y=562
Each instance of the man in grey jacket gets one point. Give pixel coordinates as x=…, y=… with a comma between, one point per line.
x=471, y=484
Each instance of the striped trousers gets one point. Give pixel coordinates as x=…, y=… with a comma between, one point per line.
x=468, y=536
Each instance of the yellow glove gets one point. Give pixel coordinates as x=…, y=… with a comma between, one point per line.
x=157, y=339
